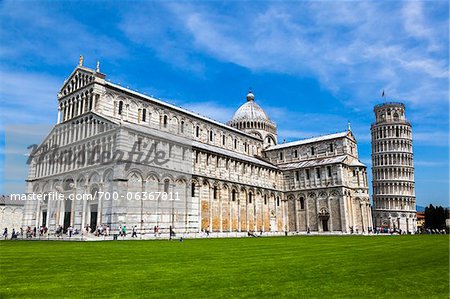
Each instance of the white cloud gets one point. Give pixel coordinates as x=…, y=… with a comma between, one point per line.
x=350, y=46
x=27, y=97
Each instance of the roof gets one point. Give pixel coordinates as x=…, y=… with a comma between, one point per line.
x=185, y=111
x=320, y=162
x=6, y=200
x=309, y=140
x=232, y=154
x=250, y=110
x=313, y=163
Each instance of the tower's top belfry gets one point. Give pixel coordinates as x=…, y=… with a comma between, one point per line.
x=389, y=112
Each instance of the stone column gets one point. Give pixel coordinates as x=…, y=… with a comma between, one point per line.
x=307, y=212
x=220, y=209
x=297, y=223
x=59, y=115
x=331, y=214
x=343, y=211
x=319, y=224
x=211, y=200
x=70, y=109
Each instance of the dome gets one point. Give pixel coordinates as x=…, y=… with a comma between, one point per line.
x=250, y=111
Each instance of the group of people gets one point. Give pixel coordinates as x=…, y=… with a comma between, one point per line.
x=14, y=234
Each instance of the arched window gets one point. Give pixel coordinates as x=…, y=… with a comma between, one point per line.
x=193, y=189
x=397, y=132
x=312, y=150
x=302, y=203
x=144, y=114
x=281, y=155
x=295, y=153
x=182, y=127
x=233, y=195
x=265, y=199
x=250, y=197
x=165, y=121
x=223, y=140
x=215, y=192
x=120, y=107
x=211, y=135
x=197, y=131
x=166, y=186
x=396, y=116
x=278, y=201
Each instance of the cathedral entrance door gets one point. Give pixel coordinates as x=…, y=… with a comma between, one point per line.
x=325, y=224
x=93, y=222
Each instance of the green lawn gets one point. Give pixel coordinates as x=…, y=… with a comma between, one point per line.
x=349, y=266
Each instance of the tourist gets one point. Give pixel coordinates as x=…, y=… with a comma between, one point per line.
x=13, y=234
x=124, y=231
x=5, y=233
x=70, y=231
x=134, y=234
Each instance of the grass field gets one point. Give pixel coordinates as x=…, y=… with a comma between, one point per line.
x=313, y=266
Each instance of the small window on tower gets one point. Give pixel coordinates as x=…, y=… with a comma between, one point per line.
x=331, y=147
x=307, y=174
x=329, y=171
x=144, y=114
x=295, y=153
x=318, y=173
x=312, y=150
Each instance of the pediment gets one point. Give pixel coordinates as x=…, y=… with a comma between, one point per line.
x=79, y=78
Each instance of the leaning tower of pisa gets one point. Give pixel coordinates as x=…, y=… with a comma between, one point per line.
x=394, y=201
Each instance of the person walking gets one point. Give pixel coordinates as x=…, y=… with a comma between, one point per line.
x=134, y=234
x=5, y=233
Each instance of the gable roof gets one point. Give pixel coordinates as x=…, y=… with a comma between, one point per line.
x=311, y=140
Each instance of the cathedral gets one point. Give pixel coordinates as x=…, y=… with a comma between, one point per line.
x=117, y=157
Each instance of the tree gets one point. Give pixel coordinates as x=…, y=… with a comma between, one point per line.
x=435, y=217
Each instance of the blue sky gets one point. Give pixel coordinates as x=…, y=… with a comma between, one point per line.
x=312, y=65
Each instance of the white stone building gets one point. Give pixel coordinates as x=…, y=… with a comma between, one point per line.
x=227, y=177
x=394, y=200
x=11, y=214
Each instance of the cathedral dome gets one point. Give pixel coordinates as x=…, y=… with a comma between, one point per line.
x=250, y=111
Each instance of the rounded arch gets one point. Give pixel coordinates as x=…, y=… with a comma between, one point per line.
x=68, y=184
x=108, y=175
x=94, y=177
x=134, y=176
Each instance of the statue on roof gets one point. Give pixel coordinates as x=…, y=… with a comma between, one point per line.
x=81, y=61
